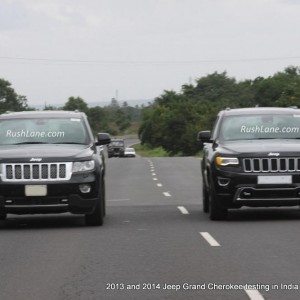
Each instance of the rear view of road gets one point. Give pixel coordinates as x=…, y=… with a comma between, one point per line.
x=155, y=244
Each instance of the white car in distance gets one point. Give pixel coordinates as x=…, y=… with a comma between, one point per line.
x=129, y=152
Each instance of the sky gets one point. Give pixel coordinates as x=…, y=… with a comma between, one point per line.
x=53, y=49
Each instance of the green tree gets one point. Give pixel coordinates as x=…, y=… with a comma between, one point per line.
x=76, y=103
x=97, y=119
x=174, y=119
x=9, y=99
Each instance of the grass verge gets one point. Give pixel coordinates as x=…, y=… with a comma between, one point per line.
x=145, y=151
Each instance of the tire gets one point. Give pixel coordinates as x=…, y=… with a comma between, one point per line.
x=97, y=216
x=216, y=211
x=205, y=198
x=104, y=198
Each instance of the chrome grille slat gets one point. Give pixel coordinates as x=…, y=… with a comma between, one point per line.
x=22, y=171
x=37, y=171
x=40, y=171
x=274, y=165
x=13, y=171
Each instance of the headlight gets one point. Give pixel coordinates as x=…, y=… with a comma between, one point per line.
x=226, y=161
x=82, y=166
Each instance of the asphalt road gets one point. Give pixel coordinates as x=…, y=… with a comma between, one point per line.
x=149, y=248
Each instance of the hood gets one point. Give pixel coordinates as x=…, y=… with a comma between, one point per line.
x=47, y=152
x=261, y=147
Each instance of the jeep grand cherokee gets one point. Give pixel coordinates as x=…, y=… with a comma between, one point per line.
x=251, y=158
x=49, y=163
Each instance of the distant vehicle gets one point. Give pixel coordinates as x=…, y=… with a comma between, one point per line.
x=129, y=152
x=116, y=148
x=251, y=158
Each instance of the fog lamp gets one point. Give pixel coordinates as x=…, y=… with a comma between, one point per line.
x=84, y=188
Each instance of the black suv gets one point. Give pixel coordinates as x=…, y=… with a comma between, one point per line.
x=50, y=163
x=251, y=158
x=116, y=148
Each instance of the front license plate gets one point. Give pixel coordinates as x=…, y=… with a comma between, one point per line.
x=285, y=179
x=35, y=190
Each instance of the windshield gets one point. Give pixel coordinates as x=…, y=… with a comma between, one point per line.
x=117, y=143
x=43, y=131
x=252, y=127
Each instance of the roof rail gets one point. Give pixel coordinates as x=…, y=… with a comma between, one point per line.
x=227, y=108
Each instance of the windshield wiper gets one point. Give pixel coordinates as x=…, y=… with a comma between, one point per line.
x=71, y=143
x=266, y=138
x=24, y=143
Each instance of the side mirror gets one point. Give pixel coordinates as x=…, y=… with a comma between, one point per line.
x=103, y=139
x=204, y=136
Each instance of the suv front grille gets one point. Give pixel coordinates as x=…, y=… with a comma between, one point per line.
x=37, y=171
x=270, y=164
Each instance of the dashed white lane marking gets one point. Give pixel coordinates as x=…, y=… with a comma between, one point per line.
x=210, y=239
x=167, y=194
x=159, y=184
x=183, y=210
x=254, y=294
x=154, y=178
x=153, y=174
x=118, y=200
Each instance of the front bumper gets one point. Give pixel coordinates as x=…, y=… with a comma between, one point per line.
x=37, y=205
x=242, y=189
x=63, y=196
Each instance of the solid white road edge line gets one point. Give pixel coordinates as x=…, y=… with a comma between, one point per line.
x=254, y=294
x=183, y=210
x=210, y=239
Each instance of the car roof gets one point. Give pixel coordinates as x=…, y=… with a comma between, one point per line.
x=42, y=114
x=260, y=110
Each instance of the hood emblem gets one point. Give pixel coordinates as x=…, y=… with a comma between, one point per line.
x=273, y=154
x=35, y=159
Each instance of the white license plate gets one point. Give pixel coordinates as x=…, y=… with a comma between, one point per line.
x=284, y=179
x=35, y=190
